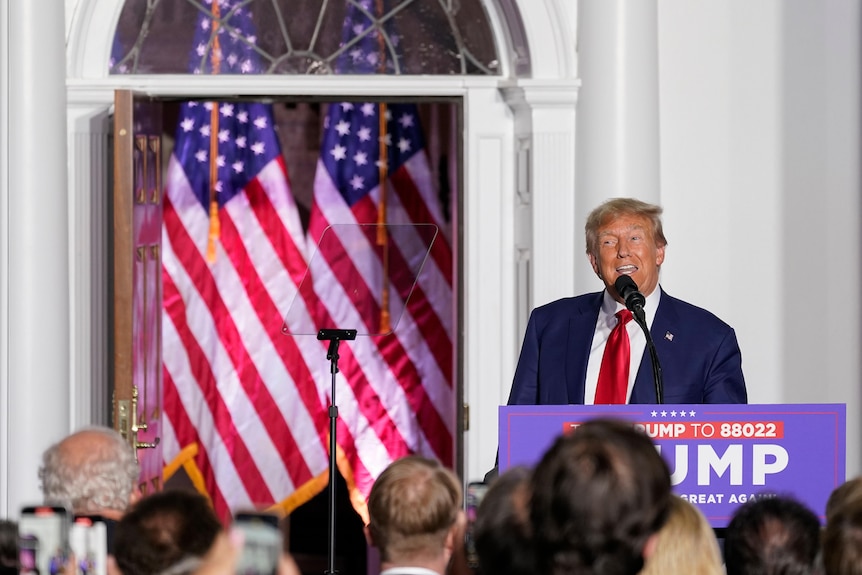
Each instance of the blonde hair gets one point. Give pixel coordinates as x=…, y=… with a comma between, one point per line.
x=618, y=207
x=412, y=506
x=686, y=544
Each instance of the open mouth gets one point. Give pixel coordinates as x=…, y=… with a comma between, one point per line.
x=627, y=270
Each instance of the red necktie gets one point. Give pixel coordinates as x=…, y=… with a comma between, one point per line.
x=614, y=374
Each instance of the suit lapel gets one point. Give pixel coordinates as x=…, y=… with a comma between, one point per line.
x=663, y=324
x=582, y=325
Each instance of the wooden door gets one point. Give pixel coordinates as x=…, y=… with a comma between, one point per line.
x=137, y=198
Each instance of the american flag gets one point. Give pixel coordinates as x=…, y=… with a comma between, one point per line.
x=395, y=392
x=234, y=385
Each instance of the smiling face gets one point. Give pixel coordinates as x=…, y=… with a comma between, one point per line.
x=626, y=246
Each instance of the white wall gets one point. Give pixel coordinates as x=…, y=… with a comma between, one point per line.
x=759, y=142
x=760, y=154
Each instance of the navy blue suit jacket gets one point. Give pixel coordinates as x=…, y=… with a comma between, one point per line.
x=698, y=353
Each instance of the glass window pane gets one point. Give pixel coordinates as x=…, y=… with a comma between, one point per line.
x=438, y=37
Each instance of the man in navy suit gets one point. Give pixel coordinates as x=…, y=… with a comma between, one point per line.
x=565, y=339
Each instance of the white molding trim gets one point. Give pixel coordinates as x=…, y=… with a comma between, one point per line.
x=545, y=126
x=5, y=335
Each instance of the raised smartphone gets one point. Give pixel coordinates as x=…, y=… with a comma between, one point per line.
x=263, y=543
x=45, y=529
x=475, y=492
x=88, y=540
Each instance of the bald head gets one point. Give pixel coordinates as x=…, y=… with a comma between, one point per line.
x=93, y=471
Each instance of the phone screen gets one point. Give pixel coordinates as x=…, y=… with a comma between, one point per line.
x=263, y=543
x=88, y=540
x=475, y=492
x=46, y=530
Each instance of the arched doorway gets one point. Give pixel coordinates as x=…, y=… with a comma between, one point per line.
x=504, y=118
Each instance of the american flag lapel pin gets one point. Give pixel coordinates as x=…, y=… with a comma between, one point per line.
x=668, y=336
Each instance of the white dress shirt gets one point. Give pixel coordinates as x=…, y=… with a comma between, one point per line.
x=606, y=322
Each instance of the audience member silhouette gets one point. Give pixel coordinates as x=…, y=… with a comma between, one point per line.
x=599, y=496
x=686, y=544
x=843, y=495
x=166, y=531
x=842, y=535
x=415, y=516
x=9, y=564
x=772, y=535
x=93, y=472
x=502, y=532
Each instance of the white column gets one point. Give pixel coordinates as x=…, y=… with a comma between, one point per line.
x=617, y=134
x=35, y=246
x=488, y=282
x=547, y=242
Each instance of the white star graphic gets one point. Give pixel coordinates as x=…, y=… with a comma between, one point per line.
x=406, y=120
x=187, y=124
x=372, y=58
x=387, y=139
x=220, y=162
x=208, y=106
x=201, y=49
x=226, y=110
x=356, y=54
x=653, y=413
x=682, y=414
x=232, y=59
x=242, y=117
x=364, y=134
x=357, y=182
x=237, y=167
x=223, y=135
x=404, y=145
x=338, y=152
x=245, y=68
x=219, y=186
x=381, y=164
x=257, y=148
x=691, y=413
x=343, y=128
x=664, y=413
x=260, y=122
x=346, y=106
x=673, y=413
x=205, y=24
x=201, y=156
x=240, y=142
x=368, y=109
x=361, y=158
x=205, y=130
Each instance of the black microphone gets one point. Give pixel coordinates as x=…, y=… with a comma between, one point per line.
x=628, y=290
x=635, y=302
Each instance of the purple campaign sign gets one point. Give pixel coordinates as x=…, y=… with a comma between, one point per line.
x=719, y=455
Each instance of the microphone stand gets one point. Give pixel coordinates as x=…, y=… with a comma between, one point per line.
x=640, y=318
x=334, y=337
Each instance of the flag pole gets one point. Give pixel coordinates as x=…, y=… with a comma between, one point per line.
x=215, y=225
x=383, y=167
x=382, y=238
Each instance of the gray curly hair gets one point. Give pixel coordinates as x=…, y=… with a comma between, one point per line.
x=101, y=475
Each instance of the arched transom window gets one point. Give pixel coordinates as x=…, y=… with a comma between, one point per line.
x=438, y=37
